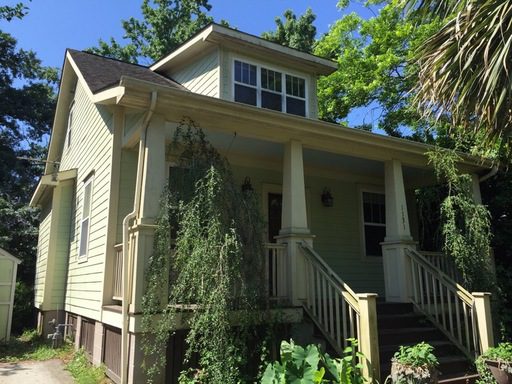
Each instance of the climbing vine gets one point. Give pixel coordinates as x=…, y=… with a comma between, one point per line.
x=207, y=265
x=465, y=225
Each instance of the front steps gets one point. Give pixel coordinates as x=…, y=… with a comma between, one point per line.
x=398, y=325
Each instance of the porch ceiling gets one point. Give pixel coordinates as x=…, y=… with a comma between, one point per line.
x=256, y=151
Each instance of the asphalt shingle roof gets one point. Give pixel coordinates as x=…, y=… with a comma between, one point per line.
x=102, y=72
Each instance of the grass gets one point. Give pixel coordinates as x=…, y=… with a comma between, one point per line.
x=31, y=346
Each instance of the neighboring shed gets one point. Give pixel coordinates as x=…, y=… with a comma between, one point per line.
x=8, y=268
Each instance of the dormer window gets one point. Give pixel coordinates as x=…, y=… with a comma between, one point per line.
x=263, y=87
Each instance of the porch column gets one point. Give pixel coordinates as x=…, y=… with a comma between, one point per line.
x=475, y=187
x=397, y=275
x=152, y=187
x=294, y=224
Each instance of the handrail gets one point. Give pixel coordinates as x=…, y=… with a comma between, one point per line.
x=305, y=246
x=330, y=302
x=276, y=271
x=442, y=262
x=445, y=302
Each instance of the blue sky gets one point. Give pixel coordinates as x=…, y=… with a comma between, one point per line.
x=51, y=26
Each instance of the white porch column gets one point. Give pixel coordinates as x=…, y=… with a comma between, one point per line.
x=152, y=187
x=294, y=223
x=477, y=196
x=397, y=275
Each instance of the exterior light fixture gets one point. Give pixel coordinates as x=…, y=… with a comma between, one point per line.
x=247, y=186
x=327, y=199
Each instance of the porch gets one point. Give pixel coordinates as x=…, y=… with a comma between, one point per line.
x=341, y=231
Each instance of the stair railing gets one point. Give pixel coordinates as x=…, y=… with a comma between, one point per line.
x=444, y=263
x=330, y=302
x=340, y=313
x=276, y=271
x=445, y=302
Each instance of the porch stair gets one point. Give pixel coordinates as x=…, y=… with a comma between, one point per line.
x=398, y=325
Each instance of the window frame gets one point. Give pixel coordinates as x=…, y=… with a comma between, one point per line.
x=259, y=89
x=89, y=180
x=70, y=123
x=361, y=190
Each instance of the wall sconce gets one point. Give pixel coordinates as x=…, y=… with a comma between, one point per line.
x=246, y=186
x=327, y=199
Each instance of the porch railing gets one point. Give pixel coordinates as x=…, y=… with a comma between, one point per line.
x=117, y=281
x=444, y=263
x=330, y=301
x=340, y=313
x=456, y=312
x=277, y=271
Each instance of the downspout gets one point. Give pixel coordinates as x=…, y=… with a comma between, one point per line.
x=490, y=174
x=127, y=260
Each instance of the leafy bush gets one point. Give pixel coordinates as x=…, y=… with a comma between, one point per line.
x=310, y=365
x=502, y=354
x=414, y=364
x=31, y=346
x=82, y=370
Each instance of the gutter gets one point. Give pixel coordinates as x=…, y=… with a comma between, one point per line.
x=127, y=260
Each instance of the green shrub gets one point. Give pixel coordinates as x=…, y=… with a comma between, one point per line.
x=82, y=370
x=310, y=365
x=419, y=355
x=414, y=364
x=502, y=353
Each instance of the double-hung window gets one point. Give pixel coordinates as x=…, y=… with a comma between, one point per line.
x=266, y=88
x=245, y=83
x=374, y=222
x=85, y=223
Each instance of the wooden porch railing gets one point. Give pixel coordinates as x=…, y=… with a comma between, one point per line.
x=339, y=312
x=117, y=281
x=444, y=263
x=277, y=271
x=450, y=306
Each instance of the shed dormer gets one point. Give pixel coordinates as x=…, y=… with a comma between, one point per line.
x=227, y=64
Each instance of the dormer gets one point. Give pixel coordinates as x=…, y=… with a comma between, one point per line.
x=231, y=65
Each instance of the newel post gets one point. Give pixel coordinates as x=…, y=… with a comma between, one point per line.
x=482, y=308
x=369, y=335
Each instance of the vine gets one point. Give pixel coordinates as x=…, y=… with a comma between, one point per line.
x=214, y=278
x=465, y=225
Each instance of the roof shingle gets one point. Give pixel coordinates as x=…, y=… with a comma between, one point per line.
x=102, y=72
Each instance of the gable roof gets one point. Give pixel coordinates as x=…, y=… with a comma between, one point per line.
x=102, y=72
x=216, y=34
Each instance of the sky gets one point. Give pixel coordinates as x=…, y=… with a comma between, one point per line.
x=51, y=26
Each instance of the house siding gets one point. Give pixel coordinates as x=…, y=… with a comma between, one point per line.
x=90, y=152
x=201, y=76
x=227, y=58
x=337, y=229
x=42, y=253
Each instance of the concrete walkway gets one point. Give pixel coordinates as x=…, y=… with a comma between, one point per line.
x=35, y=372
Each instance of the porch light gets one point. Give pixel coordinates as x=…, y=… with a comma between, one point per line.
x=327, y=199
x=247, y=186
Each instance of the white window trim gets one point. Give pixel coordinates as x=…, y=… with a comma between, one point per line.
x=70, y=124
x=361, y=190
x=259, y=89
x=83, y=258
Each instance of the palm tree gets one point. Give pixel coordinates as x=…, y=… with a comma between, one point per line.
x=465, y=69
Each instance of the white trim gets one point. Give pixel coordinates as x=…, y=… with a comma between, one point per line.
x=259, y=89
x=88, y=181
x=360, y=190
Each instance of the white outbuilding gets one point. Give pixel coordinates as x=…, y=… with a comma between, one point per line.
x=8, y=269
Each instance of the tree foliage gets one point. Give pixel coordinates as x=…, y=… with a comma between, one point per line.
x=27, y=99
x=374, y=70
x=165, y=24
x=294, y=33
x=464, y=68
x=466, y=225
x=208, y=247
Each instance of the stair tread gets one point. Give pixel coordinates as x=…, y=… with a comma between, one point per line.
x=453, y=378
x=435, y=343
x=388, y=331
